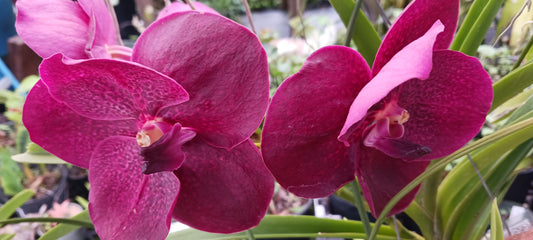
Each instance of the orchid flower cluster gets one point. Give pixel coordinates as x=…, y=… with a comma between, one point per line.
x=164, y=128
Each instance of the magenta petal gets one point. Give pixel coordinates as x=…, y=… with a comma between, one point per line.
x=54, y=126
x=448, y=109
x=299, y=142
x=412, y=62
x=222, y=191
x=104, y=89
x=220, y=63
x=414, y=22
x=49, y=28
x=101, y=30
x=182, y=7
x=124, y=203
x=381, y=177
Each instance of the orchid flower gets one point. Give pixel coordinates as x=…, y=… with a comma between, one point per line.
x=79, y=29
x=336, y=118
x=166, y=135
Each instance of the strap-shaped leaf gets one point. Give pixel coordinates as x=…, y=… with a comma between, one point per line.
x=475, y=26
x=496, y=225
x=365, y=36
x=519, y=131
x=63, y=228
x=295, y=226
x=15, y=202
x=512, y=84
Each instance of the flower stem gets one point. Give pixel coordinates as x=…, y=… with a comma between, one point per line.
x=359, y=204
x=383, y=15
x=351, y=24
x=48, y=219
x=190, y=4
x=249, y=15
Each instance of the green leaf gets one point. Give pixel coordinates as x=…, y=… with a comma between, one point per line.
x=27, y=83
x=509, y=106
x=294, y=226
x=522, y=110
x=475, y=26
x=7, y=236
x=512, y=84
x=37, y=158
x=496, y=225
x=82, y=223
x=83, y=202
x=10, y=174
x=15, y=202
x=365, y=36
x=423, y=209
x=471, y=207
x=64, y=228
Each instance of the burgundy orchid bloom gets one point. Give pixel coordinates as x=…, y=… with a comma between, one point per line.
x=336, y=118
x=79, y=29
x=166, y=135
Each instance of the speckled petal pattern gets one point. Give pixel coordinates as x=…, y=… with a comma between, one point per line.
x=124, y=203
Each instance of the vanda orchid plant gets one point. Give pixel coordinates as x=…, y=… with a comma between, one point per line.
x=164, y=128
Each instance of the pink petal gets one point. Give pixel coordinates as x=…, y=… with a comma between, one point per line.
x=381, y=177
x=124, y=203
x=448, y=109
x=221, y=64
x=101, y=27
x=49, y=27
x=299, y=142
x=104, y=89
x=222, y=191
x=413, y=61
x=62, y=132
x=182, y=7
x=414, y=22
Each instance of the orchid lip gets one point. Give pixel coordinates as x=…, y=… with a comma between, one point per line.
x=387, y=131
x=163, y=153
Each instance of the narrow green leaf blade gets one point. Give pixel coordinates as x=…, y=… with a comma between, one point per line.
x=365, y=36
x=521, y=130
x=10, y=174
x=512, y=84
x=472, y=211
x=15, y=202
x=496, y=225
x=475, y=32
x=471, y=17
x=37, y=158
x=7, y=236
x=63, y=228
x=294, y=226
